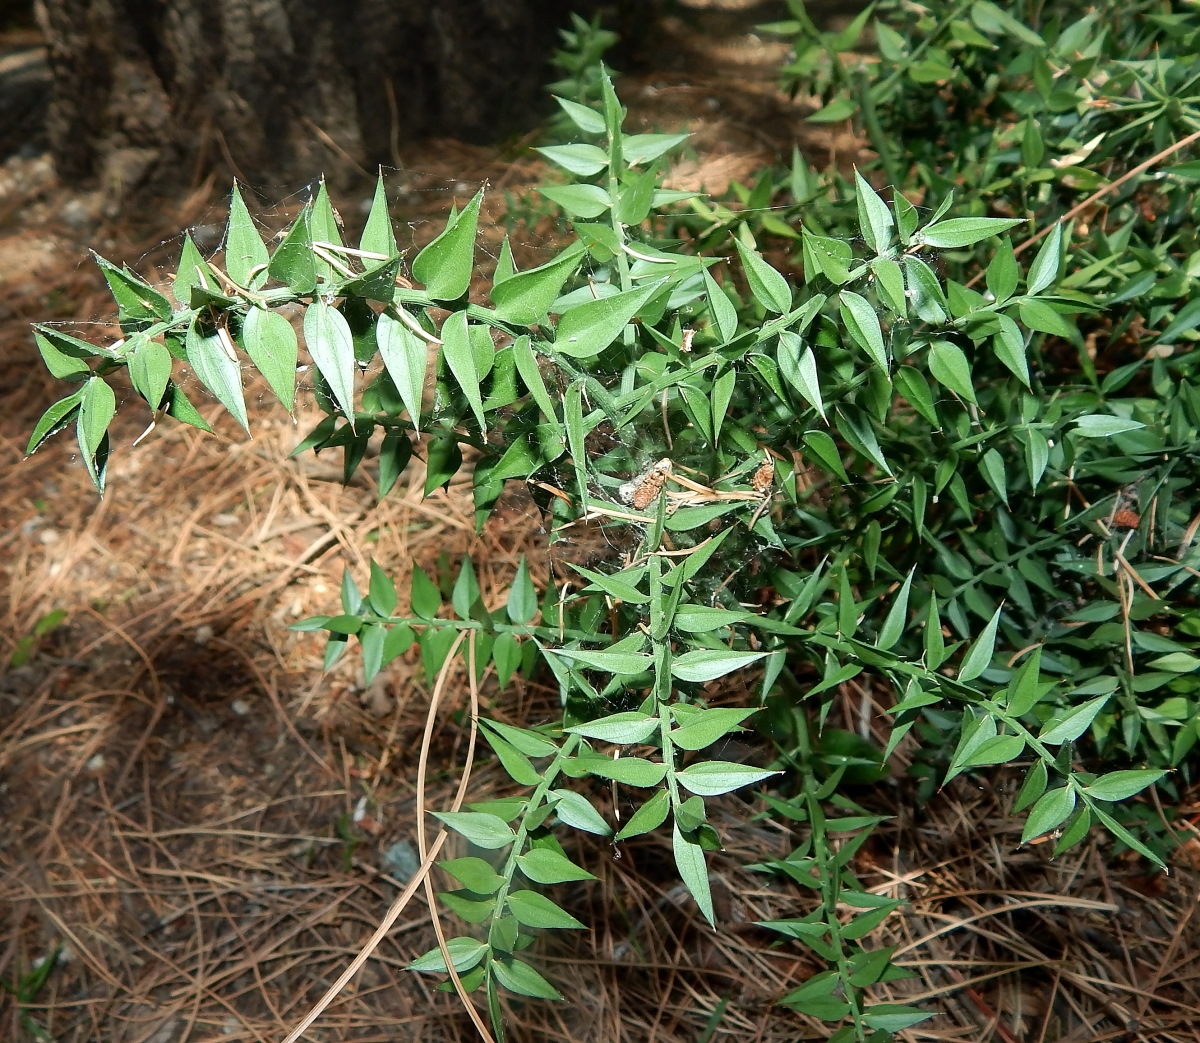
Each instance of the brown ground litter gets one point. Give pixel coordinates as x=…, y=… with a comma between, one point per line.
x=208, y=828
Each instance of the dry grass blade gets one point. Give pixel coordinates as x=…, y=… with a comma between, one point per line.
x=476, y=1019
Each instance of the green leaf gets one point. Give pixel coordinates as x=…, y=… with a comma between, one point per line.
x=620, y=586
x=856, y=428
x=323, y=227
x=580, y=201
x=136, y=299
x=1100, y=426
x=525, y=299
x=516, y=763
x=1050, y=811
x=1072, y=723
x=1044, y=270
x=1037, y=456
x=1121, y=785
x=1009, y=345
x=863, y=326
x=481, y=829
x=816, y=998
x=1032, y=788
x=950, y=368
x=711, y=778
x=689, y=859
x=217, y=370
x=445, y=266
x=925, y=295
x=55, y=419
x=536, y=910
x=465, y=594
x=182, y=410
x=193, y=271
x=769, y=288
x=544, y=866
x=465, y=953
x=1074, y=832
x=474, y=874
x=352, y=600
x=529, y=743
x=522, y=605
x=1002, y=272
x=1038, y=315
x=992, y=18
x=406, y=358
x=1176, y=663
x=707, y=664
x=874, y=217
x=270, y=342
x=630, y=771
x=574, y=810
x=245, y=255
x=1025, y=689
x=378, y=236
x=648, y=817
x=723, y=387
x=587, y=120
x=965, y=231
x=892, y=1017
x=703, y=619
x=522, y=979
x=587, y=329
x=331, y=344
x=372, y=637
x=584, y=160
x=425, y=598
x=150, y=371
x=798, y=366
x=399, y=639
x=893, y=624
x=625, y=663
x=1125, y=837
x=468, y=906
x=704, y=727
x=531, y=376
x=999, y=749
x=1188, y=318
x=643, y=148
x=991, y=466
x=65, y=365
x=97, y=407
x=979, y=655
x=344, y=624
x=459, y=354
x=293, y=262
x=723, y=313
x=623, y=728
x=822, y=446
x=840, y=108
x=906, y=215
x=890, y=284
x=614, y=111
x=827, y=256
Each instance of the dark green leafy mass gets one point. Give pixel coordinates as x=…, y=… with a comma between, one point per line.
x=936, y=462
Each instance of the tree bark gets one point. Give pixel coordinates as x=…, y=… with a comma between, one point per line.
x=271, y=90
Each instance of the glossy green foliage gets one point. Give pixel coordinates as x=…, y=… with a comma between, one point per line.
x=889, y=453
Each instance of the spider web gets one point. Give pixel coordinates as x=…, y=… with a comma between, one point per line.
x=619, y=460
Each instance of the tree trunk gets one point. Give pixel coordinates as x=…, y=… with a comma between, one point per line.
x=271, y=90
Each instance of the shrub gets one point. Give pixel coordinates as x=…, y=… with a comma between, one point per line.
x=860, y=475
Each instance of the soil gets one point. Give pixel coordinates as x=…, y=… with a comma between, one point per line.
x=202, y=828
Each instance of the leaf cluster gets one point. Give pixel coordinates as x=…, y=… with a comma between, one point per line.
x=929, y=500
